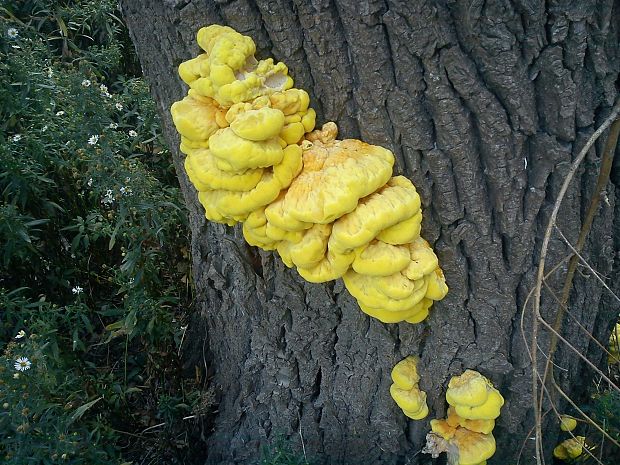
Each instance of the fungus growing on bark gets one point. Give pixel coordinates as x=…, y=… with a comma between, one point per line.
x=202, y=169
x=463, y=447
x=570, y=448
x=262, y=124
x=567, y=423
x=196, y=118
x=474, y=397
x=228, y=71
x=404, y=295
x=329, y=185
x=405, y=391
x=453, y=421
x=466, y=433
x=394, y=202
x=380, y=259
x=330, y=208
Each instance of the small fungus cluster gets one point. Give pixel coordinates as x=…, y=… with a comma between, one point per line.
x=405, y=390
x=570, y=448
x=567, y=423
x=466, y=433
x=330, y=208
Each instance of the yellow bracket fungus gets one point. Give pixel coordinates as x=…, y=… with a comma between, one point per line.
x=405, y=391
x=463, y=447
x=567, y=423
x=474, y=397
x=466, y=433
x=570, y=448
x=330, y=208
x=228, y=71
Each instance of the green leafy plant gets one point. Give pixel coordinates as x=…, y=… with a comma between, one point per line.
x=95, y=287
x=280, y=452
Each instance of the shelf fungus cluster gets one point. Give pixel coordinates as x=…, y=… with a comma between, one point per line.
x=405, y=391
x=330, y=208
x=573, y=447
x=570, y=449
x=466, y=433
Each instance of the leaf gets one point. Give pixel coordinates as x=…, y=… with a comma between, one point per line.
x=16, y=291
x=81, y=410
x=115, y=326
x=24, y=236
x=131, y=322
x=36, y=222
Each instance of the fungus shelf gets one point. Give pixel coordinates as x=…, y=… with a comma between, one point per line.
x=330, y=208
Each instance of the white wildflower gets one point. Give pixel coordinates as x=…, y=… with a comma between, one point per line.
x=92, y=140
x=113, y=125
x=50, y=72
x=85, y=83
x=132, y=133
x=21, y=334
x=44, y=128
x=107, y=94
x=16, y=138
x=103, y=88
x=125, y=190
x=119, y=106
x=22, y=364
x=108, y=198
x=60, y=113
x=90, y=182
x=12, y=33
x=77, y=290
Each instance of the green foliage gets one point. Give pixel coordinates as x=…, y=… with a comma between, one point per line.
x=94, y=268
x=605, y=410
x=280, y=452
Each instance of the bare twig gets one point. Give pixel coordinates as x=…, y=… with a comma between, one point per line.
x=527, y=301
x=580, y=355
x=586, y=264
x=579, y=325
x=159, y=425
x=301, y=437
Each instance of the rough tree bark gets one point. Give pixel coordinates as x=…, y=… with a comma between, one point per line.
x=485, y=104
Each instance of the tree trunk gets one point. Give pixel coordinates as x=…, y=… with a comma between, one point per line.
x=484, y=104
